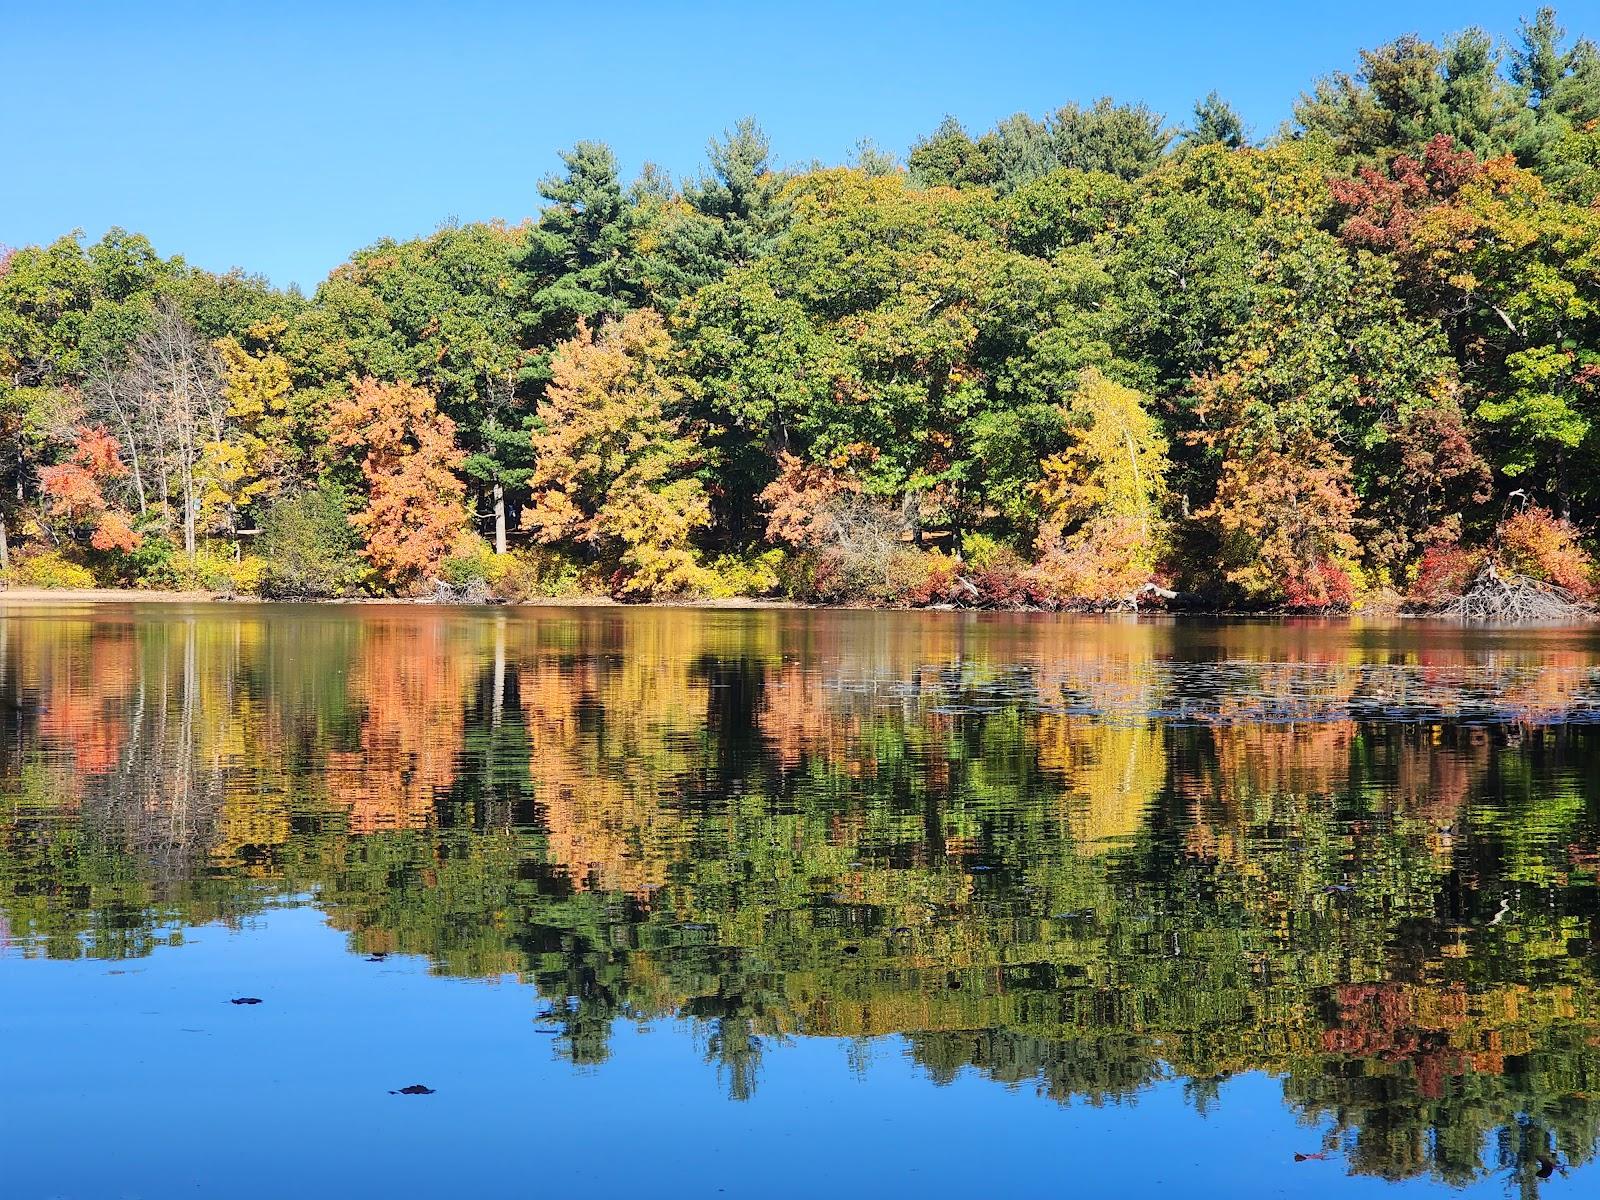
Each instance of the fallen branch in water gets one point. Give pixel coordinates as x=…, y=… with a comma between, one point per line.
x=1514, y=599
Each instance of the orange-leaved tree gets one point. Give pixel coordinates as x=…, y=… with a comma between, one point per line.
x=415, y=513
x=74, y=491
x=1284, y=511
x=1536, y=542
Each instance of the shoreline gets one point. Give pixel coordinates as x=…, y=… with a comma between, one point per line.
x=70, y=596
x=91, y=597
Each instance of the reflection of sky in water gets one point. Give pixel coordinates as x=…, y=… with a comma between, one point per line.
x=1153, y=904
x=1248, y=691
x=188, y=1095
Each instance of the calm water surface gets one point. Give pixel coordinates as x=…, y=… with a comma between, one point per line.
x=699, y=903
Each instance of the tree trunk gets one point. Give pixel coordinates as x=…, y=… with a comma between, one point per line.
x=5, y=546
x=499, y=517
x=188, y=513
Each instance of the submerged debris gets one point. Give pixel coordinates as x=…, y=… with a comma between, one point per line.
x=245, y=1000
x=415, y=1089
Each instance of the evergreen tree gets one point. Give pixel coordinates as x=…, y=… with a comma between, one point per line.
x=1215, y=123
x=730, y=215
x=580, y=263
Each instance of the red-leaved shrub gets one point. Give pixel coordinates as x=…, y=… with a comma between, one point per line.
x=1322, y=586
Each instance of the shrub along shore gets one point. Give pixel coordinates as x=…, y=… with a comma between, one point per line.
x=1087, y=361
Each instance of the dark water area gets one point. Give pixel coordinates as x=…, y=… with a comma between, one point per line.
x=699, y=903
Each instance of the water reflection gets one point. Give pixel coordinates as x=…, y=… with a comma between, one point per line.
x=1077, y=855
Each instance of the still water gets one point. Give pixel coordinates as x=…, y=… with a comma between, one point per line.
x=700, y=903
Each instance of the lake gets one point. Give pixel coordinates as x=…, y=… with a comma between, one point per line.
x=673, y=902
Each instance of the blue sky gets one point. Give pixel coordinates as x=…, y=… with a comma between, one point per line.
x=280, y=137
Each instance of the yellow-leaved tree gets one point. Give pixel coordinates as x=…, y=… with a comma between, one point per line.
x=1101, y=530
x=249, y=464
x=613, y=463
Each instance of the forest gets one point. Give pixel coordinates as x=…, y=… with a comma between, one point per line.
x=1065, y=362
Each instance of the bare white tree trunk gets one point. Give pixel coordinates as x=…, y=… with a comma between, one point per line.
x=167, y=402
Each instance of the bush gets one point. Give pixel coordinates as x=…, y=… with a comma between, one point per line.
x=1324, y=585
x=923, y=577
x=1443, y=574
x=49, y=569
x=534, y=573
x=470, y=569
x=220, y=571
x=153, y=563
x=651, y=572
x=741, y=575
x=1100, y=565
x=310, y=548
x=980, y=551
x=1005, y=580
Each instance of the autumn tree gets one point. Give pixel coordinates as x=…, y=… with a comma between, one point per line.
x=74, y=491
x=614, y=462
x=1101, y=496
x=166, y=402
x=414, y=514
x=1284, y=513
x=444, y=312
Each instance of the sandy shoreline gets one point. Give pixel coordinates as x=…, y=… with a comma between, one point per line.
x=26, y=595
x=75, y=596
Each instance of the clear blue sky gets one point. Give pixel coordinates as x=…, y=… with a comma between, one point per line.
x=279, y=137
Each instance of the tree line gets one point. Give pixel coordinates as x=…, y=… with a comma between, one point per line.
x=1051, y=364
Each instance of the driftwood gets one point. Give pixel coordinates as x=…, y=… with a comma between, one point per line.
x=1492, y=595
x=1150, y=589
x=474, y=591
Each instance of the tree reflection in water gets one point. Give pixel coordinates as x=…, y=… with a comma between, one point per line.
x=1076, y=855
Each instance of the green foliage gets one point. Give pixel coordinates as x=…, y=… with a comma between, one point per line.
x=534, y=573
x=580, y=261
x=1215, y=124
x=746, y=575
x=311, y=548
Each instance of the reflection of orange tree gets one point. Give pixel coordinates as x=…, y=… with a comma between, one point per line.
x=410, y=679
x=610, y=741
x=798, y=720
x=82, y=682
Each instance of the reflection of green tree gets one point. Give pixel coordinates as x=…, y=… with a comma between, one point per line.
x=1284, y=906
